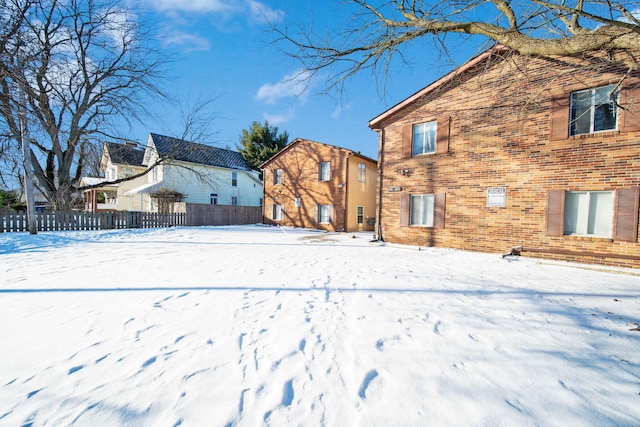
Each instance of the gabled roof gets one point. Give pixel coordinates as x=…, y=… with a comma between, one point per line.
x=186, y=151
x=442, y=80
x=300, y=140
x=125, y=154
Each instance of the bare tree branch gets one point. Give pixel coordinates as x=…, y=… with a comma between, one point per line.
x=378, y=32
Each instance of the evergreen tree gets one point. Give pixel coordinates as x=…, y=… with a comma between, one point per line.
x=260, y=142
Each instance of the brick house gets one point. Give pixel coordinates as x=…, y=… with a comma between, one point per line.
x=309, y=184
x=539, y=155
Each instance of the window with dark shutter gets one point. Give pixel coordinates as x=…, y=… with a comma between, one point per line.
x=626, y=220
x=441, y=134
x=555, y=213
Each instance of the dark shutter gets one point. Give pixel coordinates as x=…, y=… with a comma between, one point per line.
x=559, y=123
x=407, y=137
x=442, y=137
x=555, y=213
x=630, y=114
x=405, y=202
x=438, y=210
x=626, y=220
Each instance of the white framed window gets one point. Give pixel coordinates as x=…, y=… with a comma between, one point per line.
x=360, y=215
x=276, y=212
x=324, y=172
x=277, y=176
x=234, y=179
x=324, y=214
x=213, y=198
x=362, y=172
x=297, y=201
x=593, y=110
x=423, y=138
x=588, y=213
x=234, y=200
x=421, y=210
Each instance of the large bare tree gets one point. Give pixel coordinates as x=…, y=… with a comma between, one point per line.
x=378, y=31
x=82, y=66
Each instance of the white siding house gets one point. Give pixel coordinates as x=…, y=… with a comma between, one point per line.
x=118, y=161
x=202, y=173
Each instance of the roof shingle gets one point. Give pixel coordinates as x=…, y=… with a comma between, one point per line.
x=178, y=149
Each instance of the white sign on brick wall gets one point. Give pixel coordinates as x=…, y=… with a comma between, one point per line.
x=496, y=197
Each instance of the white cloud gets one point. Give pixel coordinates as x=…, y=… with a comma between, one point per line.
x=278, y=119
x=260, y=13
x=291, y=85
x=215, y=6
x=188, y=42
x=340, y=108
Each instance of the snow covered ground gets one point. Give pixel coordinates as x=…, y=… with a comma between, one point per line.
x=256, y=325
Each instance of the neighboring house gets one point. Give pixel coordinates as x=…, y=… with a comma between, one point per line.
x=118, y=161
x=202, y=173
x=314, y=185
x=540, y=155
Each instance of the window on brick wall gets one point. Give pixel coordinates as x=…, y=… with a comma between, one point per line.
x=276, y=212
x=324, y=171
x=362, y=172
x=277, y=176
x=325, y=214
x=360, y=215
x=605, y=214
x=422, y=210
x=423, y=138
x=588, y=213
x=428, y=137
x=593, y=110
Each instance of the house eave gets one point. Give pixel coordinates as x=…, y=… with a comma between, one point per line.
x=375, y=122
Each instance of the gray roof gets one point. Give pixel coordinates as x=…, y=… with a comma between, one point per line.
x=125, y=154
x=178, y=149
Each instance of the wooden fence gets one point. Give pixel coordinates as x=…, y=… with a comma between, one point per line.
x=53, y=221
x=200, y=214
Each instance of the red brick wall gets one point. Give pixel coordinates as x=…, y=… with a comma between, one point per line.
x=500, y=137
x=300, y=164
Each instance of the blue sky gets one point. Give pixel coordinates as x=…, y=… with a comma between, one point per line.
x=224, y=50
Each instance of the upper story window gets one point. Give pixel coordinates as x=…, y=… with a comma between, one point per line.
x=277, y=176
x=593, y=110
x=324, y=173
x=423, y=138
x=234, y=179
x=362, y=172
x=213, y=198
x=297, y=202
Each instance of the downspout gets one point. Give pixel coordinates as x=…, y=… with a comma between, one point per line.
x=378, y=233
x=344, y=189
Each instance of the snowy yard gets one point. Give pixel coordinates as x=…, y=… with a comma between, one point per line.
x=254, y=326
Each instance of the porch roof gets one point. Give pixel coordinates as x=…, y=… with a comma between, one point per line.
x=144, y=189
